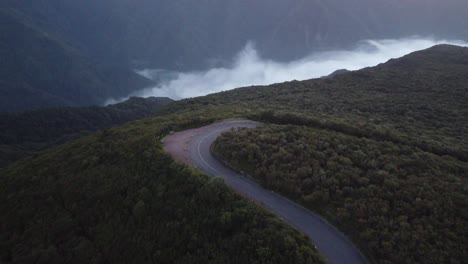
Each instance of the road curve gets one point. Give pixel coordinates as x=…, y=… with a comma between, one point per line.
x=193, y=148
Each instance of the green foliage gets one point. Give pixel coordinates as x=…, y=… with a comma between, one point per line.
x=380, y=152
x=418, y=100
x=400, y=204
x=116, y=197
x=28, y=132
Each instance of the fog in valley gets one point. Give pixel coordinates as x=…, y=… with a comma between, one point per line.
x=249, y=68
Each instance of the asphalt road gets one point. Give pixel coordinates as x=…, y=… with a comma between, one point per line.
x=193, y=147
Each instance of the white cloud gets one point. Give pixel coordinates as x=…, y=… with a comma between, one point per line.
x=249, y=69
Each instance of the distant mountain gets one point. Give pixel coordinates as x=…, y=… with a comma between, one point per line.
x=193, y=34
x=27, y=132
x=76, y=53
x=39, y=69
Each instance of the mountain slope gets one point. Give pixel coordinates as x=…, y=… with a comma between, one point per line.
x=381, y=152
x=39, y=70
x=365, y=133
x=117, y=197
x=388, y=197
x=188, y=35
x=53, y=126
x=417, y=100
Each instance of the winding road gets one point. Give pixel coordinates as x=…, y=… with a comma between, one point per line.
x=193, y=148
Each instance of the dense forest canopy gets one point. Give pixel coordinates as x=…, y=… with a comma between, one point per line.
x=400, y=204
x=26, y=133
x=419, y=99
x=381, y=152
x=116, y=197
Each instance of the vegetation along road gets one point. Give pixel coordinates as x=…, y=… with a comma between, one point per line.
x=193, y=148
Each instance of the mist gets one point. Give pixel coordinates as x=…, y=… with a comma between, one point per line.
x=248, y=68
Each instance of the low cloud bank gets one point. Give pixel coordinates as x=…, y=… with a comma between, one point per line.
x=248, y=68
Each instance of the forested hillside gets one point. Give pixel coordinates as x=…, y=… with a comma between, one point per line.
x=39, y=69
x=417, y=100
x=116, y=197
x=400, y=204
x=26, y=133
x=380, y=152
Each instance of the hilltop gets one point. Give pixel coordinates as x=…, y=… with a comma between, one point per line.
x=418, y=99
x=391, y=137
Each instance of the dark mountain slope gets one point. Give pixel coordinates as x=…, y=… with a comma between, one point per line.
x=398, y=203
x=28, y=132
x=381, y=152
x=75, y=53
x=116, y=197
x=187, y=34
x=38, y=69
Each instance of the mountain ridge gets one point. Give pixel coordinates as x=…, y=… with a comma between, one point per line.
x=40, y=70
x=431, y=95
x=148, y=33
